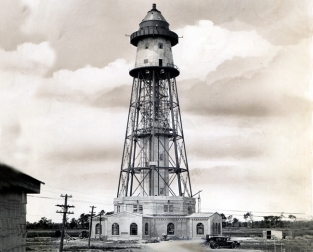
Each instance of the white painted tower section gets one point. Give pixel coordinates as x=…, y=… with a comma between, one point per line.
x=154, y=52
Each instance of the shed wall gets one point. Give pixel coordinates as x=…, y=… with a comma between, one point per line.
x=12, y=221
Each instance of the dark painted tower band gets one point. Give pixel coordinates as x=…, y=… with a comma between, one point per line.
x=154, y=162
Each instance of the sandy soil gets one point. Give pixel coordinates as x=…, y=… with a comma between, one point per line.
x=97, y=246
x=248, y=244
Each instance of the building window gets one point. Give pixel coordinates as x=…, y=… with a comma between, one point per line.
x=219, y=228
x=133, y=229
x=170, y=229
x=170, y=208
x=115, y=229
x=118, y=209
x=145, y=61
x=161, y=190
x=160, y=45
x=160, y=62
x=146, y=229
x=215, y=228
x=135, y=208
x=200, y=229
x=140, y=208
x=98, y=229
x=189, y=209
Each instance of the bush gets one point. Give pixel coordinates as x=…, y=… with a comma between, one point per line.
x=57, y=233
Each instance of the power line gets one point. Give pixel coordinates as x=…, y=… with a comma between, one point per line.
x=41, y=214
x=48, y=191
x=250, y=211
x=77, y=191
x=98, y=202
x=75, y=196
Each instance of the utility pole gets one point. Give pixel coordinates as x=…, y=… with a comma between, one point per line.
x=64, y=211
x=90, y=224
x=199, y=203
x=100, y=214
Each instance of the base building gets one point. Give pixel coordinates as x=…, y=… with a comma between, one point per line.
x=130, y=225
x=154, y=195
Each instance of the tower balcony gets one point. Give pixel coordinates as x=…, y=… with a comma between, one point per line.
x=152, y=31
x=147, y=67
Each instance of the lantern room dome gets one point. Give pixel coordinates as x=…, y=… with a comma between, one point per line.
x=154, y=24
x=154, y=18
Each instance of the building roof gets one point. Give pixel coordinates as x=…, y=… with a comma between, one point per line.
x=12, y=179
x=200, y=215
x=194, y=215
x=154, y=14
x=154, y=24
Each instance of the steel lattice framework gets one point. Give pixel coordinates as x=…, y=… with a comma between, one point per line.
x=154, y=158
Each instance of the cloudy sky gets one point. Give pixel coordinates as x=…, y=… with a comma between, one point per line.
x=245, y=91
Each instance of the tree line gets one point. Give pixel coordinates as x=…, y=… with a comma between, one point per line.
x=270, y=221
x=81, y=222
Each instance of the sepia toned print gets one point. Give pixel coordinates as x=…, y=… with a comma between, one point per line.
x=196, y=122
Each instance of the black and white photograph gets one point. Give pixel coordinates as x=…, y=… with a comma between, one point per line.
x=156, y=125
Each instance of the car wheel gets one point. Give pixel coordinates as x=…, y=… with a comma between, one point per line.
x=233, y=245
x=216, y=246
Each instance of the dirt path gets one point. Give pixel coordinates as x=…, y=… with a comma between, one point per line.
x=183, y=246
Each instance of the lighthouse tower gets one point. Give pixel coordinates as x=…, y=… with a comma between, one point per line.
x=154, y=170
x=154, y=195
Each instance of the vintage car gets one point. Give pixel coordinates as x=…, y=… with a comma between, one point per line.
x=221, y=241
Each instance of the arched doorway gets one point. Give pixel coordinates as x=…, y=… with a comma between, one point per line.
x=170, y=229
x=200, y=229
x=133, y=229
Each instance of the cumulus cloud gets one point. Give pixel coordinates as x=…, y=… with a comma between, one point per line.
x=234, y=183
x=28, y=59
x=245, y=101
x=62, y=105
x=89, y=81
x=118, y=97
x=270, y=86
x=205, y=46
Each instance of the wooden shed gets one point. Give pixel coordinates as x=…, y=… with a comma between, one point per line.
x=14, y=187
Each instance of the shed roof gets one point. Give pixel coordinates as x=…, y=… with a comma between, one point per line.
x=11, y=178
